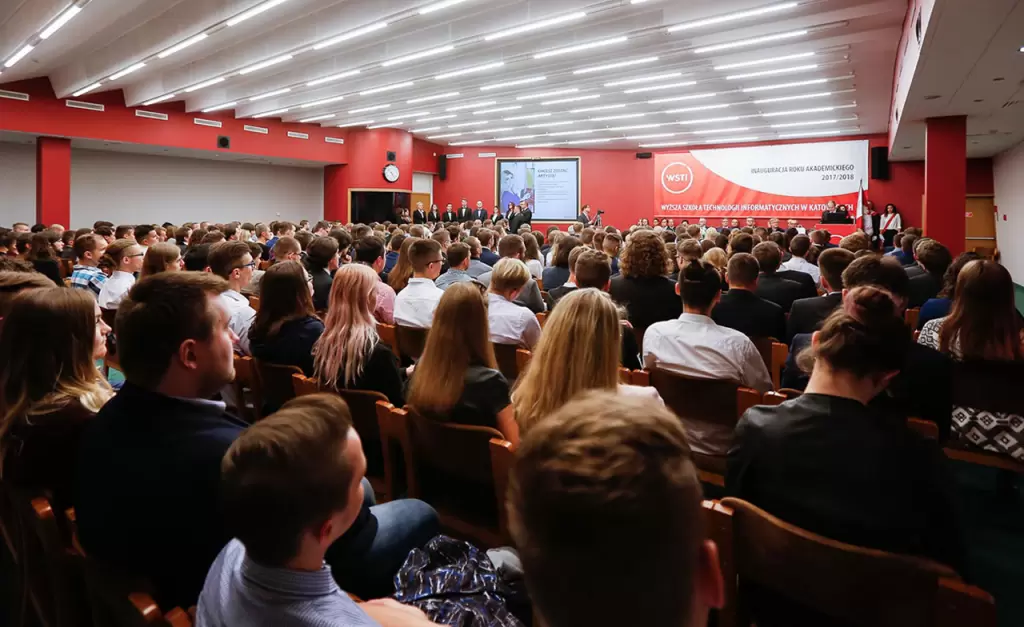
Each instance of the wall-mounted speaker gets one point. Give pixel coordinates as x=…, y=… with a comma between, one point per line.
x=644, y=155
x=442, y=167
x=223, y=142
x=391, y=156
x=880, y=163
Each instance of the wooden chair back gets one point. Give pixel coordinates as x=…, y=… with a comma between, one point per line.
x=411, y=341
x=508, y=361
x=912, y=316
x=389, y=336
x=272, y=385
x=542, y=317
x=857, y=586
x=774, y=354
x=523, y=358
x=254, y=302
x=244, y=386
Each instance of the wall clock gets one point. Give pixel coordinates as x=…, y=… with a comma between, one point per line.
x=391, y=173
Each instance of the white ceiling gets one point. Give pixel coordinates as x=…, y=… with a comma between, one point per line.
x=852, y=43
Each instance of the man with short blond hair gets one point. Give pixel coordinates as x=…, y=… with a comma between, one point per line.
x=415, y=304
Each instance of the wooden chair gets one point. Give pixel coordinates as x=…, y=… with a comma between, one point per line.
x=508, y=361
x=708, y=402
x=263, y=266
x=272, y=385
x=254, y=302
x=389, y=336
x=54, y=570
x=244, y=386
x=411, y=341
x=523, y=358
x=774, y=354
x=540, y=284
x=911, y=317
x=542, y=317
x=986, y=386
x=796, y=570
x=461, y=470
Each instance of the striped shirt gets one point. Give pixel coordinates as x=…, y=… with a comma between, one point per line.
x=238, y=591
x=88, y=278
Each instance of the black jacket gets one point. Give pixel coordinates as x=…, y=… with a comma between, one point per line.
x=433, y=216
x=50, y=269
x=750, y=314
x=923, y=287
x=806, y=281
x=480, y=214
x=808, y=314
x=464, y=213
x=557, y=293
x=646, y=299
x=780, y=291
x=322, y=281
x=554, y=277
x=519, y=219
x=292, y=345
x=448, y=216
x=582, y=218
x=419, y=217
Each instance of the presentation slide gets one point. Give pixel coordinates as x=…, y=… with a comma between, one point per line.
x=550, y=186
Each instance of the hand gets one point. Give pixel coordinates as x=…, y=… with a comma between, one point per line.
x=391, y=613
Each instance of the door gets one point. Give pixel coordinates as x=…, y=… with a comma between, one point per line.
x=981, y=225
x=418, y=197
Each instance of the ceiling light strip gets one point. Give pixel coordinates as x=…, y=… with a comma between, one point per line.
x=253, y=12
x=333, y=77
x=581, y=47
x=532, y=26
x=753, y=41
x=521, y=81
x=470, y=70
x=757, y=62
x=61, y=20
x=423, y=54
x=732, y=17
x=615, y=66
x=352, y=34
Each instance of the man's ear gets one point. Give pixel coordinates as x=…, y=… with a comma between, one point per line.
x=187, y=355
x=677, y=289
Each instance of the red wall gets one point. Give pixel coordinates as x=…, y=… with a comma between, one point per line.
x=366, y=171
x=424, y=156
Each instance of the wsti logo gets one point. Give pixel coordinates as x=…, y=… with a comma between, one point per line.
x=677, y=177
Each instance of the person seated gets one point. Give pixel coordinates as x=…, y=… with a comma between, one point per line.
x=558, y=273
x=161, y=257
x=742, y=309
x=321, y=262
x=233, y=262
x=458, y=271
x=982, y=325
x=43, y=257
x=49, y=387
x=513, y=247
x=394, y=245
x=286, y=327
x=414, y=305
x=126, y=257
x=803, y=460
x=770, y=286
x=808, y=314
x=935, y=259
x=939, y=306
x=292, y=486
x=623, y=458
x=611, y=246
x=487, y=240
x=798, y=248
x=916, y=269
x=532, y=256
x=457, y=378
x=642, y=287
x=695, y=346
x=904, y=253
x=579, y=350
x=509, y=323
x=286, y=249
x=349, y=355
x=399, y=276
x=476, y=265
x=570, y=285
x=369, y=251
x=86, y=275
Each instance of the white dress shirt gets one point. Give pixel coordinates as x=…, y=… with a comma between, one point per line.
x=241, y=317
x=510, y=323
x=115, y=289
x=536, y=268
x=696, y=347
x=415, y=305
x=802, y=265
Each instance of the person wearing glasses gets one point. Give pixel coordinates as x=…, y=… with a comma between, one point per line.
x=126, y=257
x=415, y=305
x=233, y=262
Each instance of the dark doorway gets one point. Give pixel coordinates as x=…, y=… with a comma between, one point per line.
x=370, y=207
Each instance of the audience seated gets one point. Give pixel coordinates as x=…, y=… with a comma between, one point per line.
x=808, y=314
x=742, y=309
x=161, y=257
x=642, y=287
x=321, y=262
x=512, y=247
x=798, y=248
x=770, y=285
x=125, y=257
x=510, y=323
x=456, y=379
x=233, y=262
x=458, y=270
x=804, y=460
x=399, y=276
x=43, y=257
x=369, y=251
x=571, y=282
x=532, y=257
x=487, y=240
x=558, y=272
x=349, y=354
x=414, y=305
x=581, y=493
x=476, y=265
x=394, y=245
x=49, y=387
x=286, y=327
x=579, y=350
x=286, y=249
x=939, y=306
x=904, y=253
x=982, y=325
x=15, y=277
x=86, y=275
x=934, y=259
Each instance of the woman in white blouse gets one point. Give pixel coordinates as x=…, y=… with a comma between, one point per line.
x=580, y=349
x=892, y=223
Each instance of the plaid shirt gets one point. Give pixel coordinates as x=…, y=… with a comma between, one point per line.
x=88, y=278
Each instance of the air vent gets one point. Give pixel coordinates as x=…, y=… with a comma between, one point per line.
x=295, y=135
x=487, y=155
x=255, y=129
x=152, y=115
x=455, y=156
x=13, y=95
x=334, y=140
x=213, y=123
x=88, y=106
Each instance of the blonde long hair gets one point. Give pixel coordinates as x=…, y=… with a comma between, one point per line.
x=350, y=331
x=459, y=338
x=580, y=349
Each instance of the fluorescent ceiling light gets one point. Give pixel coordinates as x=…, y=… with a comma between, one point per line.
x=437, y=6
x=783, y=70
x=450, y=94
x=373, y=108
x=542, y=145
x=822, y=133
x=521, y=81
x=469, y=142
x=212, y=81
x=256, y=10
x=377, y=90
x=226, y=105
x=753, y=41
x=350, y=124
x=820, y=94
x=579, y=47
x=644, y=79
x=270, y=114
x=423, y=54
x=61, y=20
x=573, y=99
x=438, y=117
x=515, y=137
x=333, y=77
x=576, y=132
x=266, y=64
x=158, y=100
x=385, y=125
x=813, y=122
x=418, y=114
x=550, y=124
x=775, y=114
x=640, y=90
x=531, y=116
x=425, y=130
x=525, y=28
x=19, y=55
x=445, y=135
x=700, y=108
x=317, y=118
x=731, y=118
x=465, y=124
x=82, y=92
x=650, y=136
x=319, y=103
x=271, y=94
x=813, y=81
x=633, y=127
x=736, y=129
x=470, y=70
x=756, y=62
x=731, y=140
x=592, y=141
x=126, y=71
x=615, y=66
x=497, y=110
x=503, y=129
x=352, y=34
x=477, y=105
x=732, y=17
x=681, y=142
x=683, y=98
x=546, y=94
x=598, y=108
x=623, y=116
x=182, y=45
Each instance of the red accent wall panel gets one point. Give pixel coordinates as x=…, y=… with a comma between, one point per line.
x=424, y=156
x=945, y=181
x=366, y=170
x=53, y=181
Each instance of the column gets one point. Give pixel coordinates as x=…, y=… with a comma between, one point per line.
x=335, y=194
x=53, y=181
x=945, y=181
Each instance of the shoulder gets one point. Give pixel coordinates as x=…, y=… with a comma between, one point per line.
x=642, y=391
x=482, y=376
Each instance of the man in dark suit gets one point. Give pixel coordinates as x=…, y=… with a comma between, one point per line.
x=934, y=258
x=741, y=309
x=572, y=284
x=464, y=211
x=479, y=213
x=808, y=314
x=434, y=215
x=523, y=216
x=770, y=286
x=448, y=215
x=584, y=217
x=487, y=255
x=419, y=216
